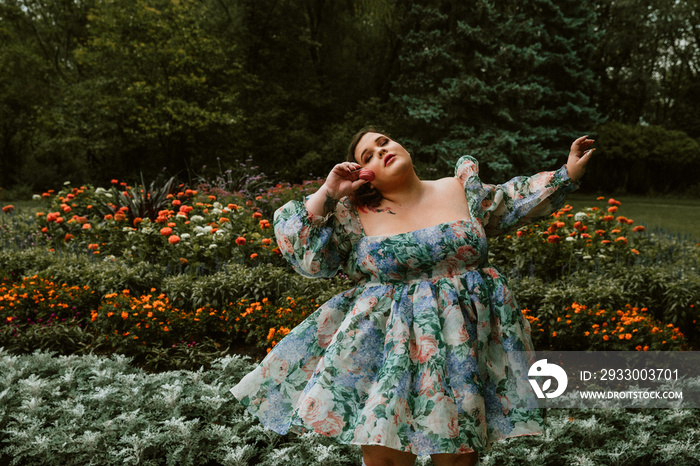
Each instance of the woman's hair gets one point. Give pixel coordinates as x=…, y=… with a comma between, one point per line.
x=366, y=195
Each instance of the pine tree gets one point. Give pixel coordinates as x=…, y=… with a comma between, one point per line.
x=504, y=81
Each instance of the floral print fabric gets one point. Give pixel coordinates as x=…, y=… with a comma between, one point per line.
x=425, y=353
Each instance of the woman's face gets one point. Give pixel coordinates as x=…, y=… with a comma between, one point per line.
x=384, y=156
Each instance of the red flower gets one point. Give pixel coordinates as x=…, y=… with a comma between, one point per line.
x=8, y=208
x=240, y=241
x=257, y=215
x=115, y=181
x=68, y=237
x=613, y=202
x=93, y=246
x=167, y=231
x=638, y=228
x=264, y=224
x=553, y=239
x=621, y=239
x=176, y=203
x=254, y=255
x=174, y=239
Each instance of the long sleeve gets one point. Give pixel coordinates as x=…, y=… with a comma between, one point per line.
x=316, y=246
x=522, y=200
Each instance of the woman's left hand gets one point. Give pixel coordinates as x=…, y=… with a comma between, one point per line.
x=579, y=156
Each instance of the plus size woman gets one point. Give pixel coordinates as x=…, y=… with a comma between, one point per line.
x=423, y=356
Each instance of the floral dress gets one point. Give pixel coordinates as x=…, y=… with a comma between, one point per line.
x=428, y=352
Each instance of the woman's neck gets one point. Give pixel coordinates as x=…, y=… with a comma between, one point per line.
x=406, y=193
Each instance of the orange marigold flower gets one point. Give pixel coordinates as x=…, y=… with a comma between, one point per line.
x=8, y=208
x=93, y=246
x=125, y=315
x=233, y=207
x=254, y=255
x=86, y=226
x=634, y=251
x=553, y=239
x=137, y=220
x=174, y=239
x=621, y=239
x=257, y=215
x=638, y=228
x=68, y=237
x=264, y=224
x=554, y=334
x=266, y=241
x=613, y=202
x=606, y=338
x=605, y=241
x=166, y=231
x=607, y=218
x=240, y=241
x=109, y=217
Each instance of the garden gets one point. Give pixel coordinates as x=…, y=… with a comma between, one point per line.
x=128, y=311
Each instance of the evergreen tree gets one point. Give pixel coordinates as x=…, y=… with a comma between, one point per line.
x=504, y=81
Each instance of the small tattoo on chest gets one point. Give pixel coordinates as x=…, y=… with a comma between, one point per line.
x=366, y=210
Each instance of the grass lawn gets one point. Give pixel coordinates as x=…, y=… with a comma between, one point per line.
x=669, y=215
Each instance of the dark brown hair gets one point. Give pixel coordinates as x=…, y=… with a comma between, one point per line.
x=366, y=195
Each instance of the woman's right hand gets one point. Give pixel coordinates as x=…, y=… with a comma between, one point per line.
x=343, y=180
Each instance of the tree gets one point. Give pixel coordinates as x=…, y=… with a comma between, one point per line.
x=504, y=81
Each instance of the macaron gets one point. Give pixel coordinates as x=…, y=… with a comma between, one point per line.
x=366, y=175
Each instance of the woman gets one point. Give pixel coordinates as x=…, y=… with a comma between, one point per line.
x=420, y=357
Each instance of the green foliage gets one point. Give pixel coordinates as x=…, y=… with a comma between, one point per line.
x=505, y=82
x=96, y=410
x=643, y=159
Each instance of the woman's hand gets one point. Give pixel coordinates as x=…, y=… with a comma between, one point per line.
x=579, y=156
x=342, y=181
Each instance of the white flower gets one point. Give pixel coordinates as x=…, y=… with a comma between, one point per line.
x=212, y=246
x=181, y=215
x=36, y=197
x=197, y=218
x=217, y=205
x=100, y=190
x=185, y=236
x=569, y=238
x=581, y=216
x=216, y=211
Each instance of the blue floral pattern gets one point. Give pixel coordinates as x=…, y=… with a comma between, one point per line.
x=419, y=355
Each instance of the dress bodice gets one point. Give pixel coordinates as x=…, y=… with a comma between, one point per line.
x=442, y=250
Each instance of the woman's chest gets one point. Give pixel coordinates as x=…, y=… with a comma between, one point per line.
x=442, y=206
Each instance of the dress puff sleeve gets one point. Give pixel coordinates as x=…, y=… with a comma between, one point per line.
x=315, y=246
x=522, y=200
